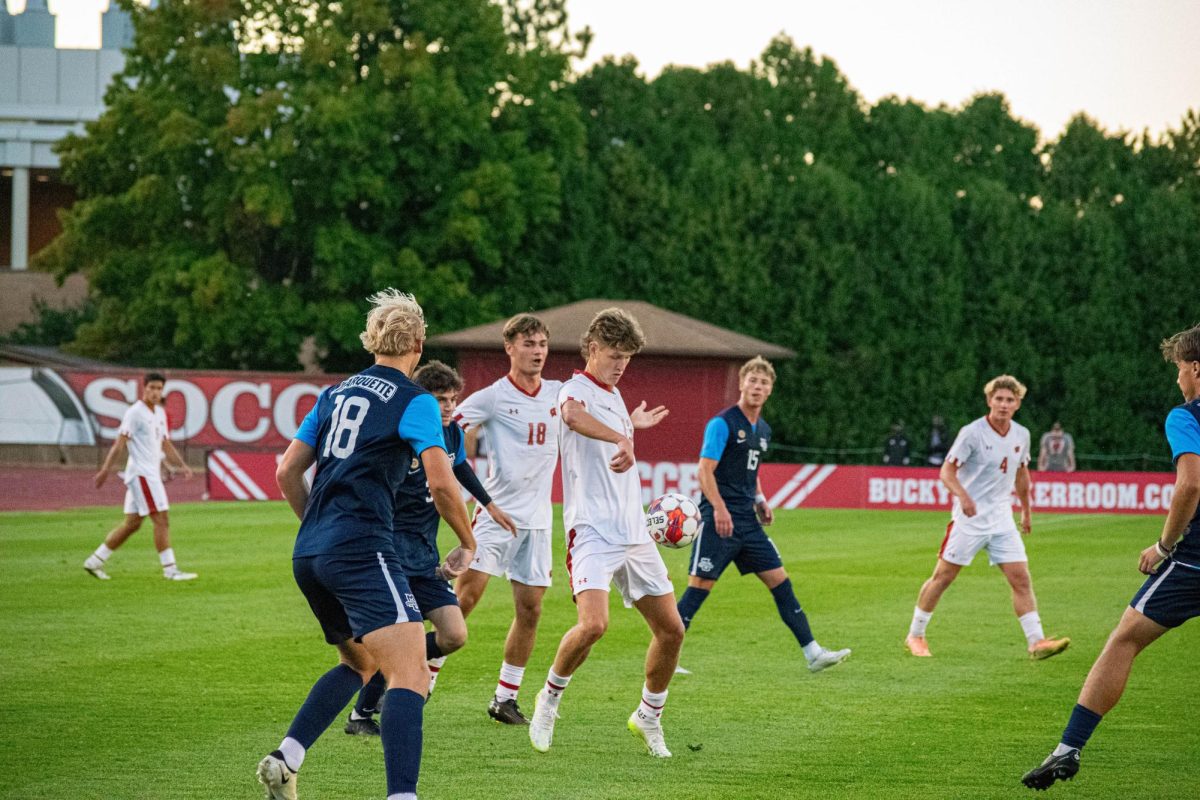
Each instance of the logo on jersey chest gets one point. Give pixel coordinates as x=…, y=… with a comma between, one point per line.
x=516, y=412
x=741, y=435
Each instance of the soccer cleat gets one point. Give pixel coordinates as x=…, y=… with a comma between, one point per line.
x=95, y=567
x=277, y=778
x=828, y=658
x=367, y=726
x=1047, y=648
x=506, y=711
x=917, y=646
x=681, y=671
x=650, y=732
x=1054, y=768
x=541, y=727
x=176, y=575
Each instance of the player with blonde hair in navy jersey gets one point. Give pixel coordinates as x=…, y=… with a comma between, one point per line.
x=734, y=511
x=1170, y=595
x=363, y=435
x=989, y=458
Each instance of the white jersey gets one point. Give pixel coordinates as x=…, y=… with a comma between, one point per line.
x=987, y=469
x=146, y=430
x=594, y=497
x=522, y=436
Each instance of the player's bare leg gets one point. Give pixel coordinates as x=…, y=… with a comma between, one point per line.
x=1103, y=688
x=518, y=646
x=931, y=592
x=666, y=628
x=166, y=554
x=1025, y=607
x=592, y=609
x=469, y=587
x=94, y=563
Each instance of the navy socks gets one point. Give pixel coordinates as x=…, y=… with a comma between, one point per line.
x=400, y=726
x=325, y=701
x=690, y=603
x=791, y=613
x=1080, y=726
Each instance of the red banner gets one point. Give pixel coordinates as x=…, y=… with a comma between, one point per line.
x=213, y=409
x=247, y=476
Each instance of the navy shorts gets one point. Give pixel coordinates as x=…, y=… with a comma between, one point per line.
x=1171, y=596
x=355, y=594
x=431, y=592
x=749, y=548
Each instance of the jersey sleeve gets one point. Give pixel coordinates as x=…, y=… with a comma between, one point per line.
x=476, y=409
x=128, y=422
x=716, y=436
x=571, y=392
x=1025, y=456
x=421, y=424
x=963, y=447
x=307, y=432
x=1183, y=433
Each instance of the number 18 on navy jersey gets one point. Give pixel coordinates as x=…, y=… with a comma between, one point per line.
x=366, y=431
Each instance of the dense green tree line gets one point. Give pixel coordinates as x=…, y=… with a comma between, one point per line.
x=263, y=165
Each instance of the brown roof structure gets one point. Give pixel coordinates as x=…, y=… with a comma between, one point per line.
x=667, y=333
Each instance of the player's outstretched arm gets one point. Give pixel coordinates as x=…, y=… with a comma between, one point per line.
x=576, y=417
x=1183, y=508
x=643, y=419
x=949, y=476
x=443, y=488
x=470, y=481
x=114, y=454
x=290, y=475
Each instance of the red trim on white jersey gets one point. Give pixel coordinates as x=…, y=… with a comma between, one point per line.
x=992, y=425
x=605, y=386
x=534, y=393
x=458, y=420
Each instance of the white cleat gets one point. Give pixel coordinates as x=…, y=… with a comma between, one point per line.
x=541, y=726
x=681, y=671
x=828, y=658
x=278, y=780
x=651, y=733
x=180, y=576
x=96, y=567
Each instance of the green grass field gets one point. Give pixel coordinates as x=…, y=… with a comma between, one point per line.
x=139, y=688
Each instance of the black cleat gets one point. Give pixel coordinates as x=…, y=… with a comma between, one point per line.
x=507, y=712
x=1054, y=768
x=366, y=726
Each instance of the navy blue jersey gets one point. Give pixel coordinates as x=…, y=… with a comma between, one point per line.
x=366, y=432
x=1183, y=434
x=736, y=446
x=416, y=520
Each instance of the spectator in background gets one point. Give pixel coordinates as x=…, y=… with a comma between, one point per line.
x=939, y=442
x=1056, y=453
x=895, y=449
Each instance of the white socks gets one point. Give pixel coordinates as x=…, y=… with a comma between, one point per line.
x=812, y=650
x=920, y=621
x=1031, y=624
x=402, y=796
x=293, y=753
x=510, y=682
x=167, y=559
x=435, y=667
x=103, y=552
x=650, y=709
x=1063, y=748
x=556, y=684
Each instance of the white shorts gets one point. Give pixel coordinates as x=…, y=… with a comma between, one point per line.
x=524, y=558
x=637, y=569
x=144, y=496
x=1004, y=547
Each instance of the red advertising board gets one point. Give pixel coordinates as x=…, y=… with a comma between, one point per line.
x=246, y=476
x=210, y=409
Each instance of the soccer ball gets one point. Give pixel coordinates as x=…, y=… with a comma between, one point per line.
x=673, y=520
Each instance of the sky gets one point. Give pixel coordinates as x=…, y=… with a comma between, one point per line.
x=1129, y=64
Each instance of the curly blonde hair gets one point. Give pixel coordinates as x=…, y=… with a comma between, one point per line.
x=395, y=325
x=1183, y=346
x=757, y=364
x=1005, y=382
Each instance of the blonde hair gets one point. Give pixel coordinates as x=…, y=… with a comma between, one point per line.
x=395, y=325
x=757, y=364
x=1183, y=346
x=1005, y=382
x=615, y=328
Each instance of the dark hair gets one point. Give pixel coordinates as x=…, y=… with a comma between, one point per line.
x=524, y=325
x=151, y=377
x=1183, y=346
x=436, y=378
